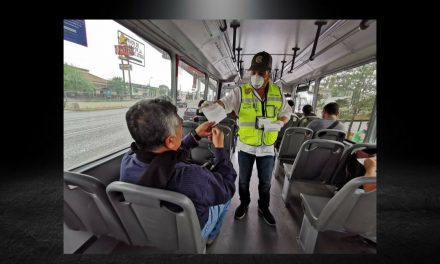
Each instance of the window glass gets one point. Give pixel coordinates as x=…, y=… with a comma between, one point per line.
x=190, y=90
x=304, y=98
x=354, y=91
x=212, y=90
x=101, y=81
x=226, y=89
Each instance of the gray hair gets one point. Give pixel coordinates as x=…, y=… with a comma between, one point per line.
x=151, y=121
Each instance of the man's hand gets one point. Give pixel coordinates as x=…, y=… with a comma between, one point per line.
x=279, y=122
x=205, y=129
x=217, y=137
x=370, y=165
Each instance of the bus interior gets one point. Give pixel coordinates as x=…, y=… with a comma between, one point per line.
x=314, y=62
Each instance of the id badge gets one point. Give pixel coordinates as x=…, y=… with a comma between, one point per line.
x=259, y=122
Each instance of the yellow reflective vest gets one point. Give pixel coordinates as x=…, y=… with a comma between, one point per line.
x=251, y=108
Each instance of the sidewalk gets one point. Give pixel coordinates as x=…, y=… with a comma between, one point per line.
x=90, y=106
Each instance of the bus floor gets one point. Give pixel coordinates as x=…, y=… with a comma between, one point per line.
x=252, y=235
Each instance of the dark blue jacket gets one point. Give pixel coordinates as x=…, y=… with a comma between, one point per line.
x=205, y=188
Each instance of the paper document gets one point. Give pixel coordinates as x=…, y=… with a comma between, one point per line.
x=272, y=127
x=214, y=112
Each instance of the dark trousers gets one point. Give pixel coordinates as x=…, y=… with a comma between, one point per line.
x=264, y=168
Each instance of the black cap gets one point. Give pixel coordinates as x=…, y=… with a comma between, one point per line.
x=262, y=61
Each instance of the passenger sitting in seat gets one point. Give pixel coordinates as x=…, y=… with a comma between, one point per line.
x=158, y=159
x=308, y=110
x=329, y=119
x=198, y=113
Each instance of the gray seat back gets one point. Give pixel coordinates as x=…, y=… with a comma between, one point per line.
x=229, y=122
x=204, y=152
x=291, y=123
x=292, y=141
x=188, y=126
x=342, y=172
x=87, y=208
x=330, y=134
x=200, y=119
x=317, y=160
x=228, y=140
x=149, y=223
x=351, y=209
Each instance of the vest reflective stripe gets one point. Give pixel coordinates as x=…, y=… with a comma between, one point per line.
x=250, y=108
x=252, y=124
x=280, y=99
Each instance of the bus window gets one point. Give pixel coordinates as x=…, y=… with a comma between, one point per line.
x=190, y=90
x=101, y=81
x=304, y=98
x=212, y=89
x=226, y=89
x=354, y=91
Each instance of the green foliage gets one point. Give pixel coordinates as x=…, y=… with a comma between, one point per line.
x=117, y=85
x=356, y=89
x=75, y=80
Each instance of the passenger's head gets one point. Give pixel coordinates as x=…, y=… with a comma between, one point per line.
x=331, y=110
x=260, y=69
x=155, y=125
x=307, y=110
x=198, y=113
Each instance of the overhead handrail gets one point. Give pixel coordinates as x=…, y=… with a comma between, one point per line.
x=315, y=43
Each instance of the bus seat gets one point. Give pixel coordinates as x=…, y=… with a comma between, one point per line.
x=229, y=137
x=200, y=119
x=346, y=170
x=330, y=134
x=229, y=122
x=350, y=210
x=292, y=140
x=204, y=152
x=87, y=208
x=188, y=126
x=150, y=223
x=291, y=123
x=315, y=163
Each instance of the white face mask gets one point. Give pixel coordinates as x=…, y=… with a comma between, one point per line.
x=257, y=81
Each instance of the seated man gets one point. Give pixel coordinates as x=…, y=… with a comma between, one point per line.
x=198, y=112
x=329, y=119
x=308, y=110
x=158, y=159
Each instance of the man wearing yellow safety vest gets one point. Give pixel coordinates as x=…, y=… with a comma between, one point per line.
x=262, y=111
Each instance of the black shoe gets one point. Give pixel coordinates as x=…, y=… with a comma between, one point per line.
x=240, y=212
x=267, y=216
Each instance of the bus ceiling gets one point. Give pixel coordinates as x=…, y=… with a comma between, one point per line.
x=320, y=46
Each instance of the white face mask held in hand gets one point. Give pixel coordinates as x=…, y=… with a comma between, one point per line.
x=257, y=81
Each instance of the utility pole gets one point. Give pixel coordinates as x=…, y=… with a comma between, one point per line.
x=123, y=76
x=129, y=79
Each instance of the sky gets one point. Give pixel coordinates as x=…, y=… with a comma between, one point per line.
x=100, y=59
